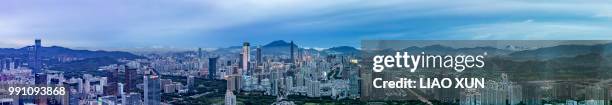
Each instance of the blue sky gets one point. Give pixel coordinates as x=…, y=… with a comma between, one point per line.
x=142, y=24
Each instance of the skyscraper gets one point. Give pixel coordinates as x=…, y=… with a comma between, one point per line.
x=133, y=99
x=1, y=65
x=245, y=57
x=41, y=80
x=17, y=63
x=230, y=98
x=240, y=60
x=233, y=80
x=258, y=56
x=291, y=60
x=152, y=90
x=4, y=64
x=212, y=67
x=190, y=82
x=258, y=62
x=112, y=86
x=199, y=53
x=200, y=62
x=36, y=60
x=130, y=73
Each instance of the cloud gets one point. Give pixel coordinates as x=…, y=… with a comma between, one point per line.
x=195, y=23
x=531, y=30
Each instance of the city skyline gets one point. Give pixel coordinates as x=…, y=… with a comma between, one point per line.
x=305, y=52
x=121, y=25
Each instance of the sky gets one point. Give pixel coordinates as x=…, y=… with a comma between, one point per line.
x=187, y=24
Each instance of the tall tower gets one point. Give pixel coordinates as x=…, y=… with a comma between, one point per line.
x=130, y=76
x=199, y=53
x=200, y=61
x=40, y=79
x=230, y=98
x=291, y=60
x=245, y=57
x=212, y=68
x=37, y=63
x=258, y=56
x=152, y=88
x=112, y=83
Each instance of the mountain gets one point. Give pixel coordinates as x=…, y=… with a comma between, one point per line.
x=279, y=47
x=585, y=66
x=279, y=43
x=342, y=50
x=61, y=51
x=90, y=60
x=88, y=65
x=444, y=50
x=228, y=50
x=516, y=48
x=57, y=51
x=562, y=51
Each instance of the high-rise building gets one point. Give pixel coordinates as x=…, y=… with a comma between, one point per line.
x=245, y=57
x=199, y=53
x=152, y=88
x=133, y=99
x=73, y=98
x=233, y=80
x=289, y=82
x=291, y=60
x=212, y=67
x=41, y=80
x=9, y=64
x=36, y=59
x=112, y=86
x=240, y=60
x=258, y=56
x=231, y=85
x=299, y=79
x=191, y=82
x=121, y=87
x=274, y=82
x=300, y=55
x=1, y=65
x=17, y=63
x=130, y=74
x=230, y=98
x=313, y=88
x=200, y=62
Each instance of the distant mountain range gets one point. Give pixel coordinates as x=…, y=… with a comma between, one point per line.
x=279, y=43
x=90, y=60
x=444, y=50
x=281, y=47
x=544, y=53
x=56, y=51
x=560, y=62
x=342, y=50
x=562, y=51
x=531, y=63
